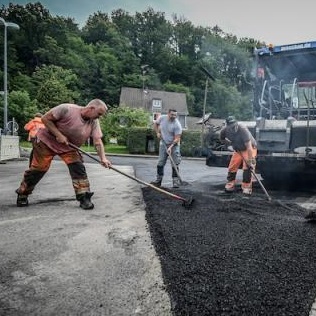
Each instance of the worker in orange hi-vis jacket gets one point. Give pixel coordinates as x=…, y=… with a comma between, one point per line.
x=33, y=126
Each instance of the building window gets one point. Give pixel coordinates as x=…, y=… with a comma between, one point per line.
x=156, y=108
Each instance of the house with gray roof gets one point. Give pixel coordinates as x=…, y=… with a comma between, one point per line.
x=156, y=102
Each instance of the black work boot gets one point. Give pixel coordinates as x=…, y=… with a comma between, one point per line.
x=176, y=182
x=22, y=199
x=311, y=215
x=85, y=200
x=157, y=182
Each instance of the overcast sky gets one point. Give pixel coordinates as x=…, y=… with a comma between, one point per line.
x=272, y=21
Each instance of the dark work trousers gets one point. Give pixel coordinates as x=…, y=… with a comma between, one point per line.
x=41, y=160
x=163, y=156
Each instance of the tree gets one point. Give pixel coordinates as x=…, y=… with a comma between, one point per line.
x=184, y=37
x=54, y=86
x=21, y=108
x=151, y=36
x=29, y=17
x=51, y=52
x=110, y=50
x=112, y=55
x=119, y=120
x=125, y=23
x=169, y=86
x=227, y=100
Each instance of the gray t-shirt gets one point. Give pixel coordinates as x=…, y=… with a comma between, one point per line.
x=169, y=128
x=238, y=136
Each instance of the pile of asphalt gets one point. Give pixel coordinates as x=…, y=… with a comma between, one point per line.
x=230, y=255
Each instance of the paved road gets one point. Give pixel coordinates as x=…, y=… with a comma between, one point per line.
x=200, y=177
x=57, y=259
x=191, y=170
x=53, y=252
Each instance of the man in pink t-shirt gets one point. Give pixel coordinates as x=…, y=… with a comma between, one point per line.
x=66, y=123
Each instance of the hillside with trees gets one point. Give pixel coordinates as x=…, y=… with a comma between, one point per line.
x=51, y=60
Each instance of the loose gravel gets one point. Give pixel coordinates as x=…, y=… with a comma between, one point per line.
x=230, y=255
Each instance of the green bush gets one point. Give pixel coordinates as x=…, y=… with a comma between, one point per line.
x=119, y=121
x=138, y=141
x=138, y=138
x=190, y=140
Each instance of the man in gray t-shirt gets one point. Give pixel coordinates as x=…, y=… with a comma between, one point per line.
x=168, y=130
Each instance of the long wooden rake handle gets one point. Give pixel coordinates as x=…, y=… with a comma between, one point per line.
x=172, y=162
x=186, y=201
x=257, y=178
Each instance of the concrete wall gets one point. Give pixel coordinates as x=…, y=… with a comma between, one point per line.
x=9, y=147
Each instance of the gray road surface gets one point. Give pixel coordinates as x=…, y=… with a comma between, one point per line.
x=57, y=259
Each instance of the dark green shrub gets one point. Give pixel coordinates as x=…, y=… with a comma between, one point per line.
x=137, y=140
x=190, y=140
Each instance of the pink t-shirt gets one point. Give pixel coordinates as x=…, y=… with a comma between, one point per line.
x=71, y=124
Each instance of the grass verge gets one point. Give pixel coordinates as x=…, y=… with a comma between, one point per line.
x=109, y=149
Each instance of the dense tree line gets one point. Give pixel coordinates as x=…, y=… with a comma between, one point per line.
x=51, y=60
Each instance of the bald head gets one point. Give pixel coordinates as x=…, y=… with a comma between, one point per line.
x=98, y=104
x=94, y=109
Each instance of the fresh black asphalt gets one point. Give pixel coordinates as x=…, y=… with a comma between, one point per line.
x=230, y=255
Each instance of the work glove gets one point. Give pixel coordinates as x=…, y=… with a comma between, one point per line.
x=251, y=163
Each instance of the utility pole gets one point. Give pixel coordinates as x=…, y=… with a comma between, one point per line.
x=5, y=71
x=203, y=117
x=208, y=76
x=144, y=70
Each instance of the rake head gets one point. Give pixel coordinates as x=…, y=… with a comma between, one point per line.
x=187, y=203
